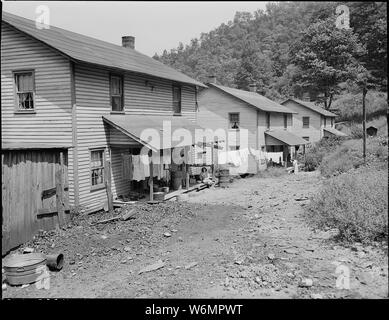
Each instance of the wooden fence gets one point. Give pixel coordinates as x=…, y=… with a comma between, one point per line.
x=35, y=193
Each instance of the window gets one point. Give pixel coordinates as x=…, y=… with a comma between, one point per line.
x=25, y=90
x=177, y=100
x=325, y=122
x=116, y=93
x=233, y=148
x=305, y=122
x=234, y=120
x=306, y=138
x=285, y=121
x=267, y=120
x=97, y=168
x=332, y=122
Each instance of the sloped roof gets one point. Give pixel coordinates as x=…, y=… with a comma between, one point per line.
x=82, y=48
x=335, y=132
x=286, y=137
x=254, y=99
x=134, y=125
x=312, y=106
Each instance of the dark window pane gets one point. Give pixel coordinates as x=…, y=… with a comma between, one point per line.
x=116, y=104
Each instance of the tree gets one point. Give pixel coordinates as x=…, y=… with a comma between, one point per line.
x=326, y=56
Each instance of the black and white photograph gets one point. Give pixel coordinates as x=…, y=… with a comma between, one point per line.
x=194, y=150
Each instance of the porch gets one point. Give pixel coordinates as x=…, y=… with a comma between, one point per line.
x=156, y=169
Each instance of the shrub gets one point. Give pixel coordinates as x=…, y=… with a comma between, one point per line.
x=340, y=161
x=355, y=203
x=315, y=153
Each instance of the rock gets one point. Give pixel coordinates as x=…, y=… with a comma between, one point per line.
x=291, y=251
x=271, y=256
x=104, y=237
x=227, y=282
x=191, y=265
x=316, y=296
x=53, y=245
x=4, y=286
x=152, y=267
x=306, y=283
x=127, y=249
x=28, y=250
x=174, y=230
x=180, y=239
x=167, y=234
x=258, y=280
x=364, y=278
x=239, y=262
x=72, y=262
x=368, y=264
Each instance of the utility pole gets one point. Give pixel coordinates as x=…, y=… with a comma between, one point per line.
x=364, y=122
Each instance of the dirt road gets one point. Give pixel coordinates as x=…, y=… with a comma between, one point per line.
x=249, y=240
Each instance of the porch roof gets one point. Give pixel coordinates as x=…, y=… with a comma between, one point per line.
x=335, y=132
x=134, y=125
x=286, y=137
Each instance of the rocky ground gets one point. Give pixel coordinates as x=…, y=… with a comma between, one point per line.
x=250, y=240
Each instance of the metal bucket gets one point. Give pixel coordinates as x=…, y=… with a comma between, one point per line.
x=24, y=268
x=159, y=196
x=55, y=261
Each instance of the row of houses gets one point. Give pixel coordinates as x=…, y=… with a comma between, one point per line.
x=74, y=110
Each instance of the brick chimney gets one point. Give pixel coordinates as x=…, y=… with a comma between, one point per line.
x=128, y=42
x=253, y=87
x=212, y=79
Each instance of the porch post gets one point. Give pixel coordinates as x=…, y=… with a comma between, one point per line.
x=151, y=179
x=186, y=150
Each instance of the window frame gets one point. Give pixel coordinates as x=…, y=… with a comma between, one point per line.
x=305, y=126
x=100, y=185
x=121, y=77
x=230, y=122
x=268, y=121
x=285, y=121
x=177, y=86
x=16, y=96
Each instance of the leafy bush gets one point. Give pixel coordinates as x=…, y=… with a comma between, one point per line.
x=316, y=152
x=340, y=161
x=355, y=203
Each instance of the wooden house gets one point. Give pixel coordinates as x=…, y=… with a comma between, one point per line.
x=310, y=121
x=267, y=123
x=92, y=98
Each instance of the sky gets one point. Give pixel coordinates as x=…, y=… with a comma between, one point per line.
x=155, y=25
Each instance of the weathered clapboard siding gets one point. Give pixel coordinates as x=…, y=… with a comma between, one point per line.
x=214, y=106
x=117, y=137
x=276, y=123
x=142, y=99
x=25, y=174
x=119, y=184
x=51, y=122
x=315, y=130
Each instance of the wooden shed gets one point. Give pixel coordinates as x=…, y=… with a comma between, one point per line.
x=34, y=191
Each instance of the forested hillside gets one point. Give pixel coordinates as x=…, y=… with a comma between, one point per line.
x=292, y=48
